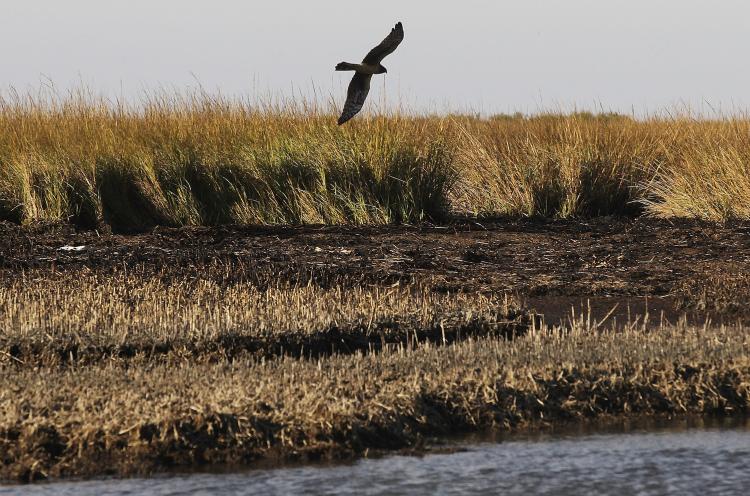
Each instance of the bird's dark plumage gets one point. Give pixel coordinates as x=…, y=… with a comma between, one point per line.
x=355, y=96
x=360, y=83
x=386, y=47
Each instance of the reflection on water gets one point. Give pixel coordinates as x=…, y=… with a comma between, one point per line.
x=706, y=461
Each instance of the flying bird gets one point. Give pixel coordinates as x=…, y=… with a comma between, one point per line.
x=360, y=84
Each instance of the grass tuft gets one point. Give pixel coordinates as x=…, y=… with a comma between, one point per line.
x=195, y=159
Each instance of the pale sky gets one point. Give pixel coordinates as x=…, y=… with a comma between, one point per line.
x=471, y=55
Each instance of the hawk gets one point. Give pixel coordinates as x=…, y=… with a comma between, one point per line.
x=360, y=84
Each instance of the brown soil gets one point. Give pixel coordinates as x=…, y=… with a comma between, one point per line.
x=555, y=264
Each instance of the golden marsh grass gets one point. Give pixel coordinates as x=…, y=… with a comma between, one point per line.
x=197, y=159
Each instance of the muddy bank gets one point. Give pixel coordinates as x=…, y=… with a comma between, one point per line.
x=588, y=458
x=139, y=420
x=626, y=311
x=689, y=260
x=185, y=348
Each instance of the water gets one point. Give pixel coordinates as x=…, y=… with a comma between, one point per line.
x=695, y=461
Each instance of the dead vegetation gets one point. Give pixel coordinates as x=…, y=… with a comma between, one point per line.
x=78, y=319
x=107, y=418
x=596, y=257
x=124, y=374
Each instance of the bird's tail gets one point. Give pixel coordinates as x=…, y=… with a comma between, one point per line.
x=346, y=66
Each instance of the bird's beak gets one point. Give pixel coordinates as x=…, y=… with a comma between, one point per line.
x=385, y=70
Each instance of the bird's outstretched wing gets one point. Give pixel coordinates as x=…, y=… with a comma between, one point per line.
x=386, y=47
x=355, y=96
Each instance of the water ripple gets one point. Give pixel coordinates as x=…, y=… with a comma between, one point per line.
x=709, y=461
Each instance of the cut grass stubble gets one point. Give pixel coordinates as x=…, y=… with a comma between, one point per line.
x=77, y=319
x=195, y=402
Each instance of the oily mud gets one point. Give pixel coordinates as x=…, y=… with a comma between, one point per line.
x=380, y=337
x=693, y=265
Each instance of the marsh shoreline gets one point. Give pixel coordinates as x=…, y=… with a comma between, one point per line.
x=687, y=260
x=173, y=349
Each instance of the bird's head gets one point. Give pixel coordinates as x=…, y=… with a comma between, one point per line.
x=381, y=69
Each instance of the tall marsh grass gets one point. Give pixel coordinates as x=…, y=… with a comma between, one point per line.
x=196, y=159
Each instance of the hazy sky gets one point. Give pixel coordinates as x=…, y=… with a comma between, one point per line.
x=489, y=56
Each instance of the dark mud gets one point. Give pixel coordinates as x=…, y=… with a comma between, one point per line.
x=667, y=457
x=686, y=264
x=605, y=269
x=343, y=340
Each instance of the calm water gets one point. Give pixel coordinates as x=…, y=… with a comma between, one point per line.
x=694, y=461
